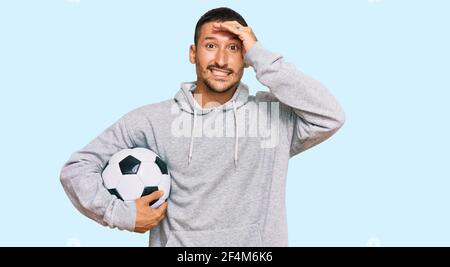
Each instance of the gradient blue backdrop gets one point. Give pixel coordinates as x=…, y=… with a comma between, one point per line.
x=70, y=68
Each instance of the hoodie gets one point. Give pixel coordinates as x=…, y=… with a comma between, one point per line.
x=228, y=163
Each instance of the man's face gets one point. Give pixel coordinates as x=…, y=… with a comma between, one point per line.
x=219, y=59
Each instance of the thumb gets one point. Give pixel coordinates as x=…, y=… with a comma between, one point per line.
x=153, y=196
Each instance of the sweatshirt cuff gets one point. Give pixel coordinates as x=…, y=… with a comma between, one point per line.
x=124, y=215
x=258, y=57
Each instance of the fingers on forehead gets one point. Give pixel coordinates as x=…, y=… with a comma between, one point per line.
x=233, y=22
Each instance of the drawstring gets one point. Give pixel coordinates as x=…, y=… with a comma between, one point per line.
x=191, y=145
x=236, y=134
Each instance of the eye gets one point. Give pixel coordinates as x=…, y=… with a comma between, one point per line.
x=234, y=47
x=210, y=46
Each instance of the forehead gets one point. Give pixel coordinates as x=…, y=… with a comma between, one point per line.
x=207, y=32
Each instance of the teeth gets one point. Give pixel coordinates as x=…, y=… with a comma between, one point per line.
x=219, y=73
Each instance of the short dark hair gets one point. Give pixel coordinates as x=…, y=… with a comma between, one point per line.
x=220, y=14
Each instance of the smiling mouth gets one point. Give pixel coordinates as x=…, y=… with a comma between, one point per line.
x=219, y=72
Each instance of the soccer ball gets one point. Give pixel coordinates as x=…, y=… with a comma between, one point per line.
x=137, y=172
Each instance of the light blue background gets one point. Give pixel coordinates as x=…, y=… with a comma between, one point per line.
x=69, y=69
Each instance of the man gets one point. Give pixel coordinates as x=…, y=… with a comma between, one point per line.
x=228, y=179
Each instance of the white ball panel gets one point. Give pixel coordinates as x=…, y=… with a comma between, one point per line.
x=164, y=185
x=111, y=175
x=149, y=173
x=130, y=187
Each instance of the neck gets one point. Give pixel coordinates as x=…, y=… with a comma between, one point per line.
x=209, y=98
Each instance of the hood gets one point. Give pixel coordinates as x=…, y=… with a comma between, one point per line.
x=187, y=103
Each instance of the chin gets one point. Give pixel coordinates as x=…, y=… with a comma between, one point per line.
x=220, y=87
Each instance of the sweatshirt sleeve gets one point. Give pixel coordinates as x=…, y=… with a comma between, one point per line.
x=316, y=114
x=81, y=179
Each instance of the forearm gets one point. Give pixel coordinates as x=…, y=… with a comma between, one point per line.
x=81, y=180
x=308, y=98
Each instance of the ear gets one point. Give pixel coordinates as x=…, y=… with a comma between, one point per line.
x=192, y=53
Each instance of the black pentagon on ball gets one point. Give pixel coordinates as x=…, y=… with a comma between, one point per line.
x=116, y=193
x=148, y=190
x=129, y=165
x=162, y=165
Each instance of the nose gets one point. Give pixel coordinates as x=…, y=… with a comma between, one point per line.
x=221, y=57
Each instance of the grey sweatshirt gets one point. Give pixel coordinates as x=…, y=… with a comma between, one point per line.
x=228, y=163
